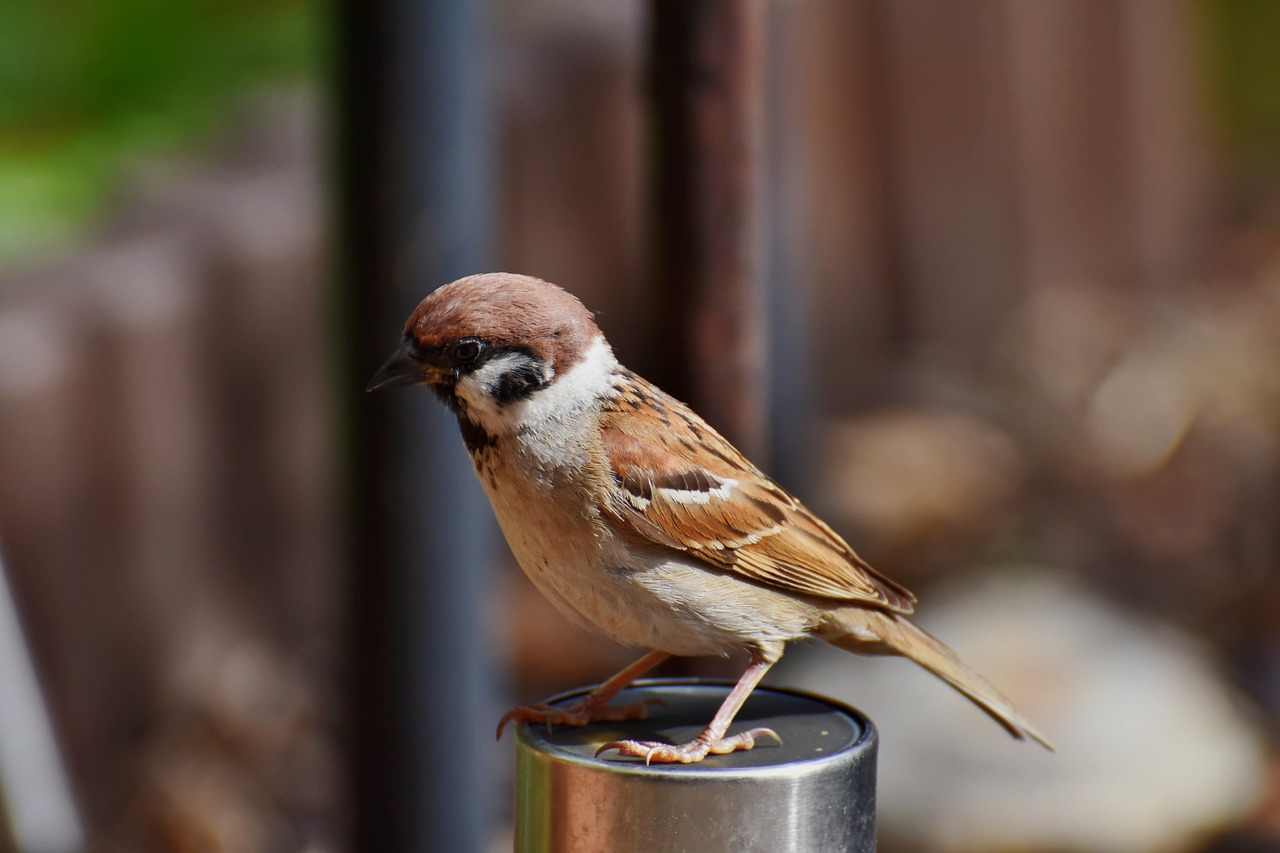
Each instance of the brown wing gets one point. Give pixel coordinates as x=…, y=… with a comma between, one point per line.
x=686, y=487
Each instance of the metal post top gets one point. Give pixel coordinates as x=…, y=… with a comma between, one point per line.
x=815, y=793
x=815, y=731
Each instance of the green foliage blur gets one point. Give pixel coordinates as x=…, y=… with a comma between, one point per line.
x=1243, y=51
x=87, y=86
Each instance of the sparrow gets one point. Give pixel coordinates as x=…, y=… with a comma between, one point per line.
x=638, y=520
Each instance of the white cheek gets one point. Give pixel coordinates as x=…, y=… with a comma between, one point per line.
x=480, y=407
x=550, y=412
x=578, y=388
x=476, y=388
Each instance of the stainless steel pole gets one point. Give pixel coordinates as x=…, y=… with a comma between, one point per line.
x=816, y=793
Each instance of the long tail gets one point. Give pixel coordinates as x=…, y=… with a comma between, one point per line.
x=866, y=631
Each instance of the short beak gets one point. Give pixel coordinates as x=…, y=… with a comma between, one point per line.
x=403, y=369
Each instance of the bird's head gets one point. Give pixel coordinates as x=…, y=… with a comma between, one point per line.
x=494, y=346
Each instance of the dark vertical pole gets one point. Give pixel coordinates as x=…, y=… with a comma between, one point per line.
x=790, y=282
x=416, y=211
x=889, y=168
x=706, y=80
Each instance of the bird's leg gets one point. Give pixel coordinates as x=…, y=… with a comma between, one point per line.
x=594, y=706
x=712, y=739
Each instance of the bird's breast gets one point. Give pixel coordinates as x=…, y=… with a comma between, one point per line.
x=641, y=597
x=559, y=540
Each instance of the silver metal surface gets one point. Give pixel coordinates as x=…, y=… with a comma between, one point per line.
x=813, y=794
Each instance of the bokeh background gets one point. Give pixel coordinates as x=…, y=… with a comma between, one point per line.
x=1024, y=277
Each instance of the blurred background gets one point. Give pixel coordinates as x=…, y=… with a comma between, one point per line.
x=1021, y=322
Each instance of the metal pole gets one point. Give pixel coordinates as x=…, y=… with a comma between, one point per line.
x=706, y=86
x=813, y=794
x=789, y=282
x=417, y=211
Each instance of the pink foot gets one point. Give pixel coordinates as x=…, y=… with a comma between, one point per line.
x=691, y=752
x=579, y=714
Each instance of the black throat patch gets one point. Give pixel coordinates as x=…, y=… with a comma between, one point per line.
x=474, y=436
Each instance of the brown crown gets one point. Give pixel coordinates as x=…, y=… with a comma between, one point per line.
x=506, y=310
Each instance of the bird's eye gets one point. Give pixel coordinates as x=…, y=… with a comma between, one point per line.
x=467, y=350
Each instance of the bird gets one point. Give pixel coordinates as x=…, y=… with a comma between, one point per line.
x=638, y=520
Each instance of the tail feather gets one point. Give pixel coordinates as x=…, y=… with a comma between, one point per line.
x=867, y=631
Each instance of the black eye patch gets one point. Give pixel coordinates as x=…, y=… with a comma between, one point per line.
x=518, y=383
x=511, y=374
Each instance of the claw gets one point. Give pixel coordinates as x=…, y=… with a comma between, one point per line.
x=523, y=713
x=763, y=732
x=580, y=714
x=688, y=753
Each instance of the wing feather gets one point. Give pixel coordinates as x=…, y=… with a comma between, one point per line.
x=686, y=487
